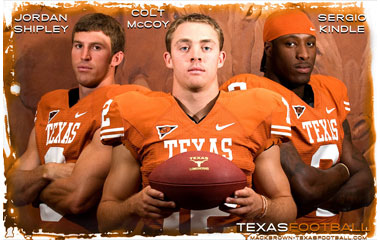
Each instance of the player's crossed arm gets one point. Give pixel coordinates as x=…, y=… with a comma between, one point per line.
x=28, y=177
x=310, y=185
x=81, y=190
x=359, y=190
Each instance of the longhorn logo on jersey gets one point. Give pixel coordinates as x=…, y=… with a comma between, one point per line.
x=52, y=114
x=61, y=132
x=298, y=109
x=165, y=130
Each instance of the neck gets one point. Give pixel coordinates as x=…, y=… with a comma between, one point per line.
x=84, y=91
x=298, y=90
x=196, y=104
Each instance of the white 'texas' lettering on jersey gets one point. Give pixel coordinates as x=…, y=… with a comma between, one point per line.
x=322, y=130
x=222, y=147
x=61, y=132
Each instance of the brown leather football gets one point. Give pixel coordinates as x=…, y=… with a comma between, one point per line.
x=197, y=180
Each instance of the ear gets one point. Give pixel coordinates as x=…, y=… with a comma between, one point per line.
x=117, y=58
x=168, y=60
x=268, y=46
x=221, y=58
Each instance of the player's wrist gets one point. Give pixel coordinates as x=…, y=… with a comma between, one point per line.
x=131, y=205
x=264, y=207
x=46, y=172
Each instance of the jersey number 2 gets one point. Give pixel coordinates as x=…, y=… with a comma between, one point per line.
x=106, y=108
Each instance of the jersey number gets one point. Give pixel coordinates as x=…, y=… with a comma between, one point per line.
x=237, y=86
x=106, y=108
x=330, y=152
x=192, y=221
x=55, y=155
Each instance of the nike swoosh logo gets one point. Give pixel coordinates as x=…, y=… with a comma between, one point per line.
x=312, y=29
x=77, y=115
x=329, y=110
x=219, y=128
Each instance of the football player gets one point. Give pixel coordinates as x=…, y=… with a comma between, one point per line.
x=65, y=165
x=326, y=172
x=194, y=117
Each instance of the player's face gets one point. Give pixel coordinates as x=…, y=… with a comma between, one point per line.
x=293, y=58
x=91, y=58
x=195, y=56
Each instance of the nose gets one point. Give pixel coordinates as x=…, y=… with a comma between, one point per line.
x=85, y=54
x=303, y=52
x=196, y=55
x=196, y=59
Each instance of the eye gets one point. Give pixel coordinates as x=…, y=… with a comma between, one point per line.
x=96, y=47
x=184, y=48
x=78, y=45
x=290, y=44
x=207, y=48
x=310, y=44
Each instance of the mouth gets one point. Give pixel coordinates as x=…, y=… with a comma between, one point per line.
x=303, y=67
x=83, y=68
x=196, y=70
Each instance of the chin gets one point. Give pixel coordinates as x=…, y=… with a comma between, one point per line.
x=195, y=85
x=195, y=89
x=302, y=79
x=88, y=84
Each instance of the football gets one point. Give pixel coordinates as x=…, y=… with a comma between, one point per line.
x=197, y=180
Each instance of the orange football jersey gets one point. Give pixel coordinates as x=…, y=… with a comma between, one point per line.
x=317, y=132
x=154, y=128
x=62, y=132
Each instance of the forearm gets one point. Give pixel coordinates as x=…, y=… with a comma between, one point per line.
x=310, y=185
x=280, y=210
x=115, y=215
x=67, y=197
x=357, y=192
x=26, y=185
x=310, y=190
x=81, y=189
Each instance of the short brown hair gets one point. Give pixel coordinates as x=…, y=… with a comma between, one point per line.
x=105, y=23
x=197, y=18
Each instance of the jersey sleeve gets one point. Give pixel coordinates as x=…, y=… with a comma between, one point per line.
x=281, y=123
x=37, y=114
x=119, y=124
x=112, y=128
x=338, y=91
x=120, y=89
x=276, y=118
x=343, y=102
x=242, y=82
x=43, y=106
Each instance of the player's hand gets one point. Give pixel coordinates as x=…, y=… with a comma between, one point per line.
x=249, y=204
x=57, y=170
x=150, y=203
